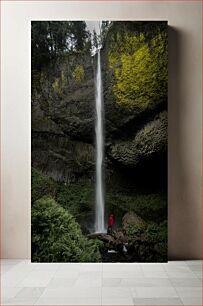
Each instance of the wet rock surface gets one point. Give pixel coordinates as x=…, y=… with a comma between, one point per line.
x=63, y=147
x=63, y=107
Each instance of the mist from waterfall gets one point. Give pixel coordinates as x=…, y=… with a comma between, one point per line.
x=99, y=129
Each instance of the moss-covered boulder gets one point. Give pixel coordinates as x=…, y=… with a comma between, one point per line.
x=131, y=218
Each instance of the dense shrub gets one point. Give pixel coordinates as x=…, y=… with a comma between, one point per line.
x=78, y=199
x=42, y=185
x=133, y=231
x=56, y=236
x=148, y=244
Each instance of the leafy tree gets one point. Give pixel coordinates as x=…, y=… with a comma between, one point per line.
x=80, y=33
x=40, y=43
x=56, y=237
x=58, y=32
x=104, y=30
x=105, y=26
x=95, y=40
x=53, y=38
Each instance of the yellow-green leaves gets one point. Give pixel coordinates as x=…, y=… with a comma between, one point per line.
x=140, y=70
x=78, y=73
x=59, y=83
x=55, y=84
x=62, y=77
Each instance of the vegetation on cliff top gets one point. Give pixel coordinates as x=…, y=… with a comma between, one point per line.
x=51, y=39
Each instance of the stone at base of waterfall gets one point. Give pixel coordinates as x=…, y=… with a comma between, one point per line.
x=112, y=242
x=131, y=218
x=103, y=237
x=119, y=236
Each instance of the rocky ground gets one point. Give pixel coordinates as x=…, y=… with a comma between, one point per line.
x=130, y=242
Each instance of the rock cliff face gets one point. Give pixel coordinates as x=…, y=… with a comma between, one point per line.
x=63, y=119
x=148, y=141
x=63, y=115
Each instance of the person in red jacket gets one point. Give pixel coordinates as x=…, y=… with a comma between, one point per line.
x=111, y=222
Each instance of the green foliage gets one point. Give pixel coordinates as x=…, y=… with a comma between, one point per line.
x=54, y=38
x=157, y=233
x=133, y=231
x=149, y=207
x=148, y=244
x=62, y=77
x=59, y=83
x=42, y=185
x=78, y=199
x=41, y=53
x=56, y=237
x=78, y=73
x=140, y=69
x=55, y=84
x=123, y=45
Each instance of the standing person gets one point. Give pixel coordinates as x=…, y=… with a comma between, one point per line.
x=111, y=222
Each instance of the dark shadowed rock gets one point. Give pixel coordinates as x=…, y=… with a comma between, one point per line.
x=151, y=139
x=63, y=118
x=103, y=237
x=120, y=237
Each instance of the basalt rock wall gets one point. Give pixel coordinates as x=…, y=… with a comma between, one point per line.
x=63, y=118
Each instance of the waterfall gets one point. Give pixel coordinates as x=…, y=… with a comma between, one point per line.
x=99, y=129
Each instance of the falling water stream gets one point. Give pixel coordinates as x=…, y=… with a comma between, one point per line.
x=99, y=129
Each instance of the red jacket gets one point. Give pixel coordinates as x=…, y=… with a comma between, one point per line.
x=111, y=221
